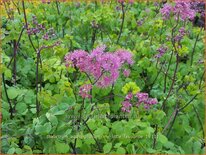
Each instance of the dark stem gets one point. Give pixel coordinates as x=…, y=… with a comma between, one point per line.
x=14, y=65
x=79, y=122
x=170, y=119
x=111, y=93
x=176, y=113
x=193, y=50
x=199, y=120
x=93, y=37
x=7, y=10
x=165, y=79
x=37, y=82
x=16, y=46
x=7, y=97
x=93, y=136
x=25, y=19
x=173, y=82
x=151, y=86
x=16, y=7
x=57, y=5
x=122, y=24
x=188, y=103
x=155, y=137
x=202, y=78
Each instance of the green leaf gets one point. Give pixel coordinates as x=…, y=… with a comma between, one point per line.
x=21, y=107
x=79, y=142
x=197, y=147
x=161, y=138
x=5, y=114
x=121, y=150
x=18, y=151
x=107, y=147
x=52, y=119
x=150, y=150
x=8, y=73
x=117, y=145
x=61, y=147
x=33, y=110
x=168, y=145
x=11, y=150
x=43, y=129
x=101, y=131
x=12, y=93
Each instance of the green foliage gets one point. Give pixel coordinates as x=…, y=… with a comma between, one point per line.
x=66, y=123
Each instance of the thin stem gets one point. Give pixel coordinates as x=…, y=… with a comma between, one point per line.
x=7, y=97
x=170, y=119
x=80, y=118
x=155, y=137
x=16, y=46
x=202, y=78
x=93, y=37
x=188, y=103
x=168, y=67
x=16, y=7
x=90, y=80
x=57, y=5
x=193, y=50
x=93, y=136
x=122, y=24
x=98, y=78
x=175, y=116
x=25, y=19
x=199, y=120
x=173, y=82
x=14, y=65
x=8, y=14
x=151, y=86
x=37, y=82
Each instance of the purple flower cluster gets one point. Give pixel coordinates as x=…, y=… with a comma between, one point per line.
x=126, y=104
x=45, y=1
x=161, y=51
x=126, y=72
x=84, y=91
x=48, y=35
x=140, y=22
x=37, y=27
x=181, y=9
x=198, y=6
x=122, y=1
x=180, y=35
x=102, y=66
x=142, y=98
x=166, y=11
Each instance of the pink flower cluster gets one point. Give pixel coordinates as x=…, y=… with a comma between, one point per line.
x=142, y=98
x=181, y=9
x=181, y=33
x=126, y=72
x=122, y=1
x=102, y=66
x=161, y=51
x=37, y=28
x=84, y=91
x=126, y=104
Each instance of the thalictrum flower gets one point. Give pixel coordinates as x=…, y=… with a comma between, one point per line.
x=85, y=90
x=102, y=66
